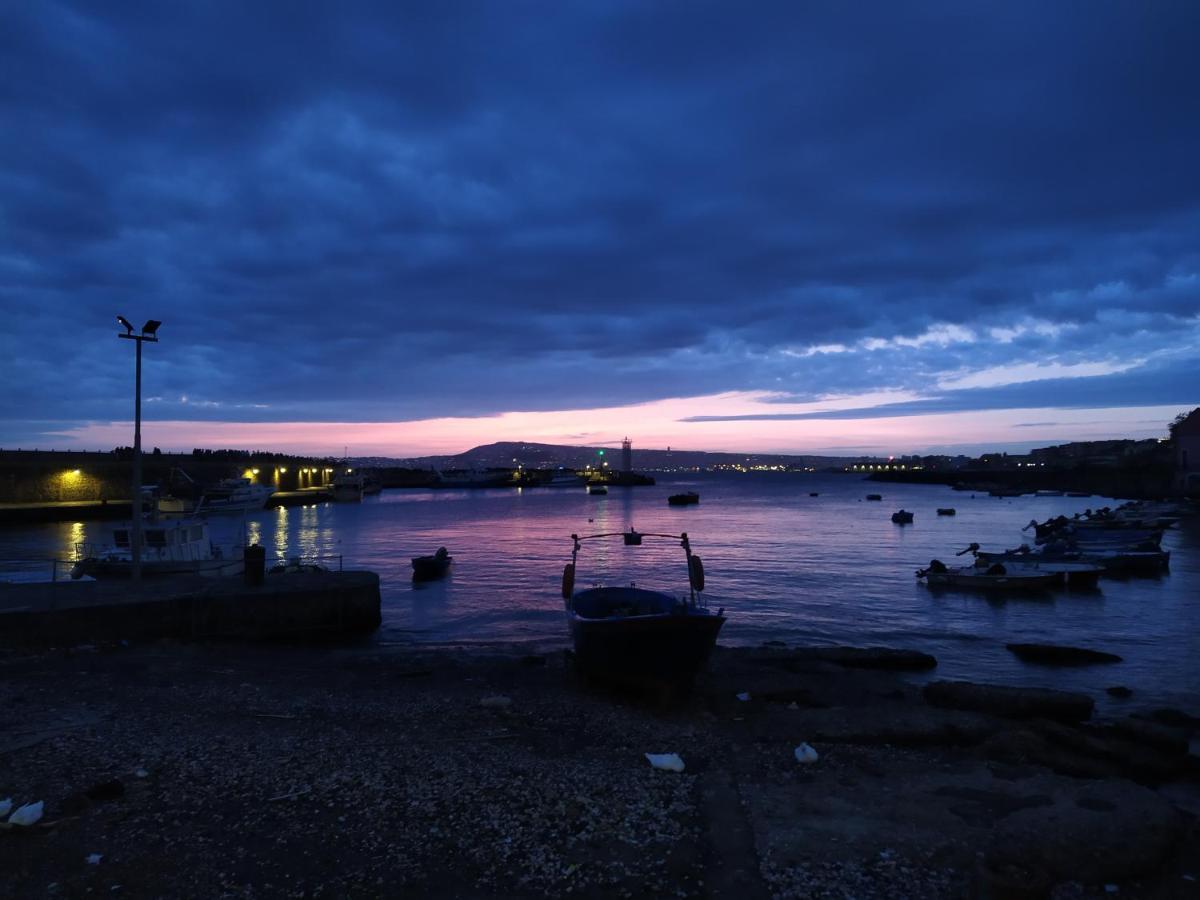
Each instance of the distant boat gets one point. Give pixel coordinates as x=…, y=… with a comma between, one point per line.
x=902, y=517
x=597, y=488
x=563, y=478
x=372, y=484
x=427, y=568
x=233, y=495
x=347, y=487
x=177, y=547
x=640, y=636
x=686, y=499
x=1047, y=493
x=473, y=478
x=874, y=496
x=813, y=494
x=946, y=511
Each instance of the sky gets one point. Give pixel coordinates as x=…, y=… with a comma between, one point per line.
x=817, y=227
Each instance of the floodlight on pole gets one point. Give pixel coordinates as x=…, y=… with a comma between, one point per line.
x=135, y=506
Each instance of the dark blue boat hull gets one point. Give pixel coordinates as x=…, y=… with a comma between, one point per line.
x=663, y=641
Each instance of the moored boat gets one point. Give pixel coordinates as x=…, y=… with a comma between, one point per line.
x=902, y=517
x=687, y=498
x=640, y=636
x=597, y=487
x=947, y=511
x=347, y=487
x=427, y=568
x=232, y=496
x=176, y=547
x=993, y=577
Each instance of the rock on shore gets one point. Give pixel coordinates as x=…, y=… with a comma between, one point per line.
x=1056, y=655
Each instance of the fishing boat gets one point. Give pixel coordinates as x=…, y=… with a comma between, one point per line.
x=427, y=568
x=347, y=487
x=902, y=517
x=686, y=499
x=1075, y=569
x=874, y=496
x=635, y=635
x=947, y=511
x=992, y=577
x=233, y=496
x=177, y=547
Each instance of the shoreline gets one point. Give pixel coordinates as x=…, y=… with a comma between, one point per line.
x=282, y=770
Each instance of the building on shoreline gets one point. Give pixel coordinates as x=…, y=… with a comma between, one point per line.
x=1185, y=433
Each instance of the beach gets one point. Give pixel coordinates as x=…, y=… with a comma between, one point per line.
x=251, y=770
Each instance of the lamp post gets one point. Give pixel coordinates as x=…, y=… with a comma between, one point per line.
x=149, y=332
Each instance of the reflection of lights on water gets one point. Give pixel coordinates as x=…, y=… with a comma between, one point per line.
x=253, y=532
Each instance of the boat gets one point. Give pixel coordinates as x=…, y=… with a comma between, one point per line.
x=597, y=488
x=563, y=478
x=372, y=484
x=347, y=487
x=233, y=495
x=902, y=517
x=1073, y=569
x=176, y=547
x=1046, y=493
x=635, y=635
x=992, y=577
x=472, y=478
x=813, y=494
x=947, y=511
x=427, y=568
x=686, y=499
x=874, y=496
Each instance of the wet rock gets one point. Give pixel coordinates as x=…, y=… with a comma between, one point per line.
x=888, y=658
x=1119, y=691
x=1141, y=762
x=1151, y=734
x=1176, y=718
x=907, y=726
x=1011, y=702
x=1057, y=655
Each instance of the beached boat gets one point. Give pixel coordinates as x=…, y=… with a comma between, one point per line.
x=233, y=496
x=177, y=547
x=634, y=635
x=427, y=568
x=347, y=487
x=902, y=517
x=685, y=499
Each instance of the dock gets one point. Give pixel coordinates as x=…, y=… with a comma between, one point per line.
x=307, y=604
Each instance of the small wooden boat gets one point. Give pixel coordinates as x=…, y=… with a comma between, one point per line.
x=427, y=568
x=902, y=517
x=639, y=636
x=946, y=511
x=686, y=499
x=874, y=496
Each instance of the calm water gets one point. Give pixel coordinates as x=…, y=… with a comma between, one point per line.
x=786, y=566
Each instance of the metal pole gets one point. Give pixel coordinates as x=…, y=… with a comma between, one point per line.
x=136, y=544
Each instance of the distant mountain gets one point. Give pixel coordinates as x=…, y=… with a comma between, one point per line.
x=508, y=454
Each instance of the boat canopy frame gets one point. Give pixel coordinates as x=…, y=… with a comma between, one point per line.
x=633, y=538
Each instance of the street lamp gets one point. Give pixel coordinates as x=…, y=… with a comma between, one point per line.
x=149, y=332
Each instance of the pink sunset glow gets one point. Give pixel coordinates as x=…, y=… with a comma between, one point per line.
x=658, y=424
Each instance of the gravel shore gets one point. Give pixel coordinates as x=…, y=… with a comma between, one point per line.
x=279, y=771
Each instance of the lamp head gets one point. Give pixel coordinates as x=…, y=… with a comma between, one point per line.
x=150, y=327
x=125, y=324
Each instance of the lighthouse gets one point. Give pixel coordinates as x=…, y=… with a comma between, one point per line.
x=626, y=456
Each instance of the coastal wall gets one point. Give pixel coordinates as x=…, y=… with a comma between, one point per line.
x=311, y=603
x=1147, y=481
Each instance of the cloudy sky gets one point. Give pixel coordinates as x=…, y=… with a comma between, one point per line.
x=410, y=228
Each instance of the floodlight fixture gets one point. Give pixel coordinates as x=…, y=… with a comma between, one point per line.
x=151, y=327
x=125, y=324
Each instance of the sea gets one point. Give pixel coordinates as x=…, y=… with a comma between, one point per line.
x=801, y=558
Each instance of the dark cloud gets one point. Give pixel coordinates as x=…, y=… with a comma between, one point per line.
x=384, y=211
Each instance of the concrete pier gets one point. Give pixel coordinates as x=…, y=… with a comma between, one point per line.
x=286, y=605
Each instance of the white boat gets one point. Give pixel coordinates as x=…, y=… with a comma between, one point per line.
x=177, y=547
x=564, y=478
x=347, y=487
x=597, y=487
x=993, y=577
x=234, y=495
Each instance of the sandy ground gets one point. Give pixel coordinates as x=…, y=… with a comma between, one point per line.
x=277, y=771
